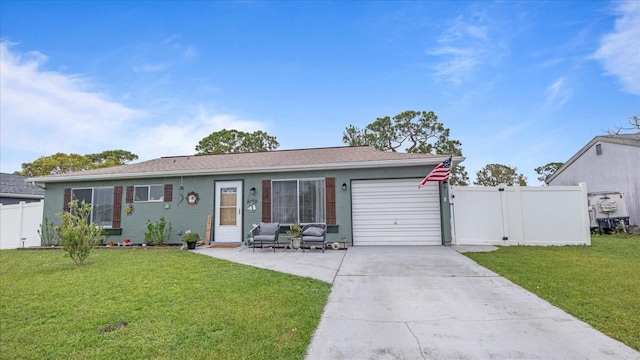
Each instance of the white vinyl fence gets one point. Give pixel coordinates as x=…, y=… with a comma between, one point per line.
x=514, y=215
x=19, y=224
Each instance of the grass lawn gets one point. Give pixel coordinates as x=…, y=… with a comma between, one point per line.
x=599, y=284
x=152, y=304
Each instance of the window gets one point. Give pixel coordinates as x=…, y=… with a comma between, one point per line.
x=101, y=199
x=598, y=149
x=298, y=201
x=149, y=193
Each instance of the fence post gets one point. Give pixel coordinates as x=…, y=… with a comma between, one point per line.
x=21, y=225
x=586, y=226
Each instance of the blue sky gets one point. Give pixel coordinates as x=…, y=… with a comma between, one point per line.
x=518, y=83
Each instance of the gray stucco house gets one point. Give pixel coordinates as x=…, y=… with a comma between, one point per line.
x=365, y=196
x=14, y=189
x=608, y=163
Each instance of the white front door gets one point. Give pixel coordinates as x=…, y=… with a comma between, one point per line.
x=228, y=212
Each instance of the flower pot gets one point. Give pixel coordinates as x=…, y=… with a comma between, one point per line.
x=296, y=243
x=191, y=245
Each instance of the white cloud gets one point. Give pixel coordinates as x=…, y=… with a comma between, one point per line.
x=466, y=44
x=181, y=138
x=46, y=112
x=150, y=68
x=43, y=112
x=619, y=50
x=558, y=93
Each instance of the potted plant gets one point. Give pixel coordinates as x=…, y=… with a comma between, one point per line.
x=191, y=239
x=295, y=233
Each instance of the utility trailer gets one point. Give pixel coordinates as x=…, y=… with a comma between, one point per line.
x=608, y=211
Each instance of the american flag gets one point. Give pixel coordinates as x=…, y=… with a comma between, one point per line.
x=439, y=173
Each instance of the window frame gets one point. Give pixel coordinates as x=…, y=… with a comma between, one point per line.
x=321, y=184
x=160, y=189
x=95, y=208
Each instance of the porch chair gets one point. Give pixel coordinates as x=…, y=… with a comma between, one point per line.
x=265, y=233
x=314, y=234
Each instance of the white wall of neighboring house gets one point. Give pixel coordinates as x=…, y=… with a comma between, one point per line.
x=515, y=215
x=19, y=224
x=615, y=169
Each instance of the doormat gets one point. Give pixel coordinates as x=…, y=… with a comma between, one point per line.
x=221, y=246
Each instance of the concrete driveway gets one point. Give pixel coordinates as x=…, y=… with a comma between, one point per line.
x=429, y=302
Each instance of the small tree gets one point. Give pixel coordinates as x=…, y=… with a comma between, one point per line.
x=547, y=170
x=496, y=174
x=157, y=233
x=77, y=234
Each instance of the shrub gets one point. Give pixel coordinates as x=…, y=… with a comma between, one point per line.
x=49, y=233
x=157, y=233
x=77, y=234
x=190, y=237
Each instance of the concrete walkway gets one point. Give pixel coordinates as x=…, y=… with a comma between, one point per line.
x=429, y=302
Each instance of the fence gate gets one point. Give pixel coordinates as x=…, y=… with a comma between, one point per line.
x=514, y=215
x=19, y=224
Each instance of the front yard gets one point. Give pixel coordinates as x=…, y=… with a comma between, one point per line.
x=146, y=303
x=599, y=284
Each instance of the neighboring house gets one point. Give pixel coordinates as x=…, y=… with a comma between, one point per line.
x=365, y=196
x=15, y=188
x=608, y=163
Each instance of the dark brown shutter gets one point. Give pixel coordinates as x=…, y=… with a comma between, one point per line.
x=266, y=200
x=168, y=192
x=66, y=200
x=330, y=197
x=117, y=207
x=129, y=194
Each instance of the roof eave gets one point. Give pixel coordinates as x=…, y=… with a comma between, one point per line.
x=594, y=141
x=248, y=170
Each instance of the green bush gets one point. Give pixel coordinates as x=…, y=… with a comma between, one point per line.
x=191, y=237
x=49, y=233
x=77, y=234
x=157, y=233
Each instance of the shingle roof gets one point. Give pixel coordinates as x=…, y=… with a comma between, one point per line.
x=270, y=161
x=16, y=185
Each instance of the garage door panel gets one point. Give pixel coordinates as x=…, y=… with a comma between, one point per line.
x=395, y=212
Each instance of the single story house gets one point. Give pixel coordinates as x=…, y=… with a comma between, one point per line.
x=14, y=189
x=365, y=196
x=608, y=163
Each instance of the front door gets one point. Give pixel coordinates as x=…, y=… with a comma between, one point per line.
x=228, y=212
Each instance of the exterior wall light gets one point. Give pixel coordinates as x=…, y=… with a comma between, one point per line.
x=344, y=186
x=252, y=191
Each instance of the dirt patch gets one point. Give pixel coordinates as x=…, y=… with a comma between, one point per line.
x=114, y=327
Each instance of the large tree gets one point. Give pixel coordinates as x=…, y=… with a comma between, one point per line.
x=412, y=132
x=234, y=141
x=61, y=163
x=547, y=170
x=496, y=174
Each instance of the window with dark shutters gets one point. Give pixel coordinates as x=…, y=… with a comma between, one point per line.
x=168, y=192
x=117, y=207
x=66, y=199
x=129, y=194
x=330, y=196
x=266, y=200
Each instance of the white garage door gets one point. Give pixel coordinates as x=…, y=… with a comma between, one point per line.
x=395, y=212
